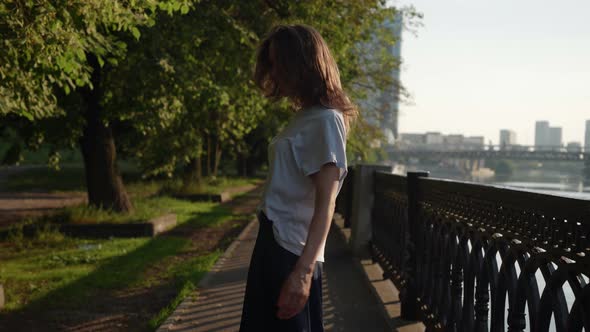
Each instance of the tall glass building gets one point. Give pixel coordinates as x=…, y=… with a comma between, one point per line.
x=382, y=107
x=587, y=139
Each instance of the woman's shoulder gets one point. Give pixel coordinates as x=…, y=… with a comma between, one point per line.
x=323, y=113
x=320, y=122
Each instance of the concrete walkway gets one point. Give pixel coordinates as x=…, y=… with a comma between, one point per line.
x=349, y=303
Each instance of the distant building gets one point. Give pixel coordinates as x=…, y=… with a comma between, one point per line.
x=412, y=139
x=546, y=137
x=384, y=103
x=587, y=140
x=453, y=141
x=555, y=137
x=541, y=134
x=574, y=147
x=438, y=141
x=474, y=142
x=507, y=138
x=434, y=138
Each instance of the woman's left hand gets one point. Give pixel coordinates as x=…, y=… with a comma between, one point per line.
x=294, y=293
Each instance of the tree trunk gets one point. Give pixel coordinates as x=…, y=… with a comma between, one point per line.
x=251, y=166
x=217, y=157
x=103, y=181
x=192, y=172
x=241, y=164
x=208, y=155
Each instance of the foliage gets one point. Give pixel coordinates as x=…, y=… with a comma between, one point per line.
x=501, y=167
x=46, y=44
x=194, y=85
x=177, y=88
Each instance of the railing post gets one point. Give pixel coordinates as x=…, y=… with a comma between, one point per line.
x=409, y=302
x=362, y=205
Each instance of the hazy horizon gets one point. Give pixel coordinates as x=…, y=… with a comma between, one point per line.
x=477, y=66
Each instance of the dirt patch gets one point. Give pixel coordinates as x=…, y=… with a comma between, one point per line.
x=131, y=309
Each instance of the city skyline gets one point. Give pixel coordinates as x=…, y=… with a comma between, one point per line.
x=476, y=67
x=510, y=135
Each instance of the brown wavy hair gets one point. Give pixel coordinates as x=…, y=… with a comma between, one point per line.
x=294, y=61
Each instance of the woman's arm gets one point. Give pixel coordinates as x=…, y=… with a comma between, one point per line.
x=295, y=290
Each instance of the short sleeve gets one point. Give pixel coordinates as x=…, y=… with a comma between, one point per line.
x=320, y=142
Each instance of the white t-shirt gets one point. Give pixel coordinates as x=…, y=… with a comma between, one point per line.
x=314, y=136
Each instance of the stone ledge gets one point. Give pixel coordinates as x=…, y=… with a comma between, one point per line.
x=216, y=198
x=150, y=228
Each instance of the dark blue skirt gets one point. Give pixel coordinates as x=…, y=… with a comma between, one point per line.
x=270, y=266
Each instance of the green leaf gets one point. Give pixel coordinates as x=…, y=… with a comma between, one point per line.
x=81, y=54
x=184, y=9
x=28, y=115
x=135, y=32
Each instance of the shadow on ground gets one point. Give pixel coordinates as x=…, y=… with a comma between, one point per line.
x=115, y=297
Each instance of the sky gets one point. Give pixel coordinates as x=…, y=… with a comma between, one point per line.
x=478, y=66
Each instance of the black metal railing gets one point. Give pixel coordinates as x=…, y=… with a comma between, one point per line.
x=469, y=257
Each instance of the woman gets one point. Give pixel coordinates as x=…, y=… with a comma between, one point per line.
x=307, y=164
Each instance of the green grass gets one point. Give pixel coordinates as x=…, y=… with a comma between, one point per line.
x=211, y=185
x=53, y=270
x=71, y=177
x=30, y=272
x=145, y=208
x=159, y=318
x=146, y=203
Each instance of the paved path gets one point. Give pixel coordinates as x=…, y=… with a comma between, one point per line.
x=349, y=304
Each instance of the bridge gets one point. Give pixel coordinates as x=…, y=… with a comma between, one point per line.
x=491, y=152
x=470, y=160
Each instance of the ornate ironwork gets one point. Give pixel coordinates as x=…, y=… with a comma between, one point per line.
x=483, y=258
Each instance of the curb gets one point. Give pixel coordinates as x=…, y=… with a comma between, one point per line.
x=204, y=282
x=149, y=228
x=216, y=198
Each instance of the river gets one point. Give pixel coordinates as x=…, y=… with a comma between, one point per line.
x=567, y=183
x=547, y=182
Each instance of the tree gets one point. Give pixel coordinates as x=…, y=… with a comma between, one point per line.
x=203, y=62
x=52, y=49
x=187, y=91
x=172, y=90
